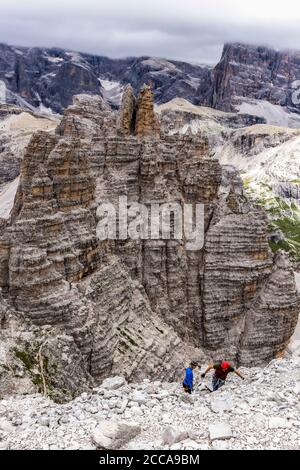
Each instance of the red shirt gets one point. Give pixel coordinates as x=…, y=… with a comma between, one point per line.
x=221, y=373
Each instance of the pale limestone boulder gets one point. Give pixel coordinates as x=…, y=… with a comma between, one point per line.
x=220, y=431
x=113, y=383
x=114, y=434
x=173, y=435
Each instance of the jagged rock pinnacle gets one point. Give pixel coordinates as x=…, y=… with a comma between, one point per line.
x=136, y=116
x=125, y=123
x=146, y=122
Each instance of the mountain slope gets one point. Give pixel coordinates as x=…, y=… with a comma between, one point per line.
x=266, y=156
x=16, y=129
x=51, y=77
x=262, y=412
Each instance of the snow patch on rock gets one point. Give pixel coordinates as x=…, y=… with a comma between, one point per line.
x=7, y=197
x=274, y=114
x=112, y=91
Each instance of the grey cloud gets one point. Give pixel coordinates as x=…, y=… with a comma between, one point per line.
x=190, y=30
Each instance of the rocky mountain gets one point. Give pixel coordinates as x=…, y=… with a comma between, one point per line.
x=49, y=78
x=266, y=156
x=257, y=80
x=75, y=309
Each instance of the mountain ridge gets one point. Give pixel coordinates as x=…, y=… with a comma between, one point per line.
x=250, y=79
x=43, y=75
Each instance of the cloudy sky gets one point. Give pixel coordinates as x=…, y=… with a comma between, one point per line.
x=191, y=30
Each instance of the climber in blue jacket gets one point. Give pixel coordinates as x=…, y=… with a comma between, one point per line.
x=188, y=382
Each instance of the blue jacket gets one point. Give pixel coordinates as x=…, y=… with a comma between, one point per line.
x=189, y=377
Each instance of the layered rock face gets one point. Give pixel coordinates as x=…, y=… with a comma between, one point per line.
x=247, y=73
x=136, y=307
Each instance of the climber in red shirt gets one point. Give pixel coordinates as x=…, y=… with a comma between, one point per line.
x=222, y=369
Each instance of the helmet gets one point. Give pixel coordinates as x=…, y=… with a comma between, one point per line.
x=225, y=365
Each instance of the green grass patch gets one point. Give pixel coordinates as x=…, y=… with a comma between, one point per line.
x=246, y=182
x=284, y=217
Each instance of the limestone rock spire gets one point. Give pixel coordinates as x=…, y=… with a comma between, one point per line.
x=126, y=118
x=146, y=122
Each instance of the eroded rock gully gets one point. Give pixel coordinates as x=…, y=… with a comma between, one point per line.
x=76, y=309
